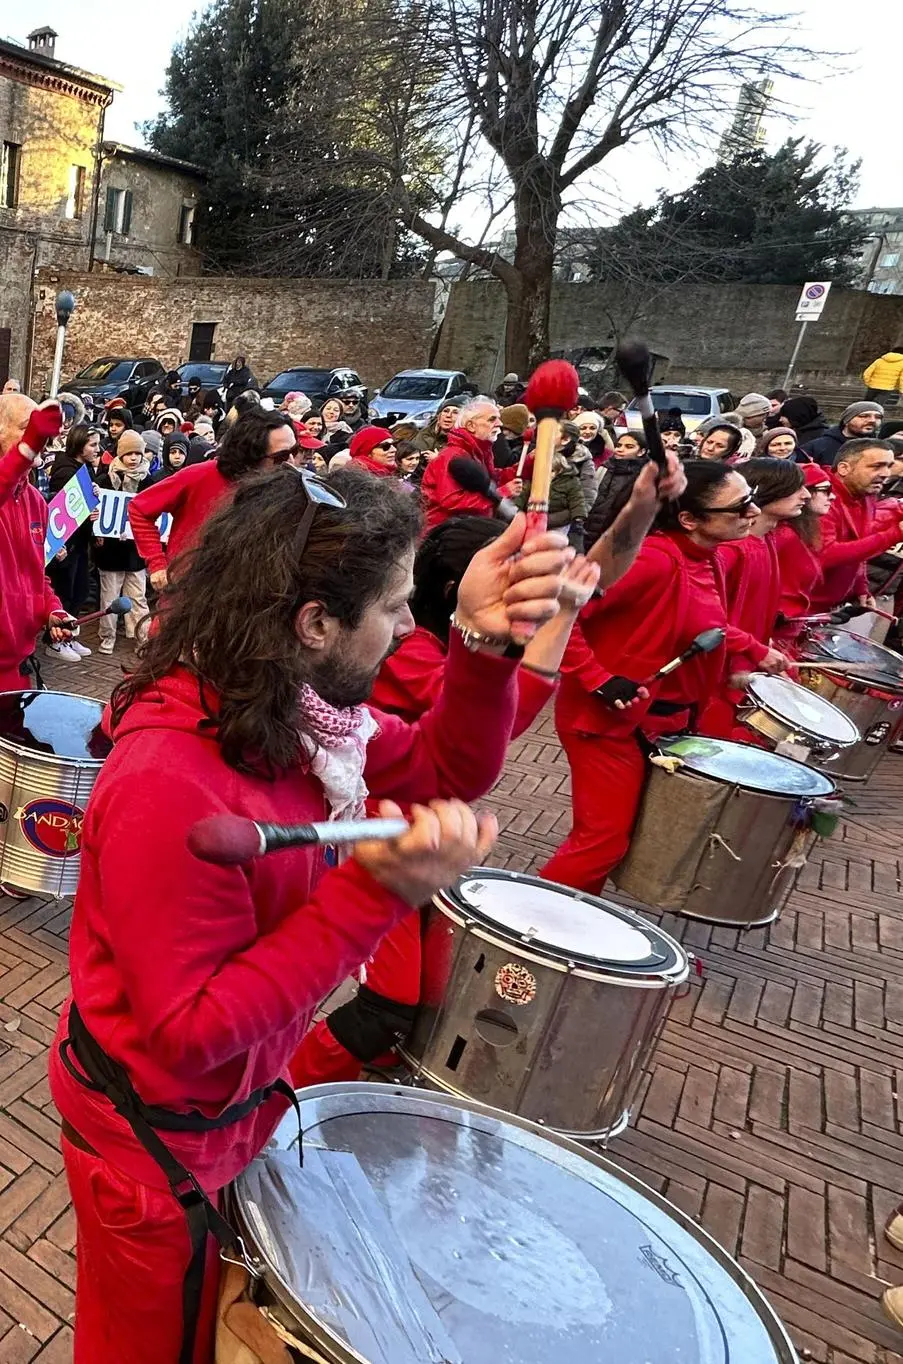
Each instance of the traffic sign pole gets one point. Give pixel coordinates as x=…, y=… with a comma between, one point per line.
x=788, y=377
x=811, y=304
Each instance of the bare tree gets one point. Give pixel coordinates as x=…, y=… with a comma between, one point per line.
x=555, y=86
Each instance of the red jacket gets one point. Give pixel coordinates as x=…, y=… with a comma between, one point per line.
x=442, y=495
x=410, y=680
x=673, y=591
x=852, y=532
x=26, y=597
x=799, y=568
x=190, y=496
x=752, y=593
x=200, y=979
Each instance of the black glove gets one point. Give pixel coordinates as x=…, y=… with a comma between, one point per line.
x=618, y=689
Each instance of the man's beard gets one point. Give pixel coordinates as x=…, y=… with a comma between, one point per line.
x=340, y=682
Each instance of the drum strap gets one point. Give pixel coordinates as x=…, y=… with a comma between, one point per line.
x=99, y=1072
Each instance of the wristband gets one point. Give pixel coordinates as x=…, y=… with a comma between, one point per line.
x=474, y=639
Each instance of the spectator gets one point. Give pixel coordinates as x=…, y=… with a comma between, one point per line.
x=434, y=435
x=580, y=459
x=478, y=425
x=854, y=529
x=509, y=443
x=616, y=480
x=672, y=420
x=804, y=416
x=753, y=410
x=780, y=443
x=169, y=420
x=192, y=404
x=122, y=571
x=296, y=405
x=212, y=407
x=856, y=421
x=171, y=390
x=70, y=571
x=373, y=448
x=174, y=454
x=718, y=439
x=567, y=505
x=313, y=425
x=237, y=379
x=510, y=391
x=594, y=436
x=410, y=463
x=153, y=444
x=203, y=427
x=351, y=410
x=776, y=398
x=118, y=421
x=884, y=378
x=12, y=386
x=612, y=405
x=338, y=432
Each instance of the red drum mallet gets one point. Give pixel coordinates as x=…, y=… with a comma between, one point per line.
x=551, y=391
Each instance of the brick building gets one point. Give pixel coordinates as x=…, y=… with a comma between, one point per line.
x=146, y=220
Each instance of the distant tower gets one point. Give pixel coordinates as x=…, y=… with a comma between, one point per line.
x=746, y=132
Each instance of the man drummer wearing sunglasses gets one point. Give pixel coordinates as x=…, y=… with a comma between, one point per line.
x=193, y=983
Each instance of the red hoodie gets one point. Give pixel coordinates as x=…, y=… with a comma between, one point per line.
x=852, y=532
x=410, y=680
x=200, y=979
x=442, y=495
x=190, y=496
x=800, y=570
x=752, y=593
x=26, y=597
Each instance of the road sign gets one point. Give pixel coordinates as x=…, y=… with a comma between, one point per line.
x=812, y=300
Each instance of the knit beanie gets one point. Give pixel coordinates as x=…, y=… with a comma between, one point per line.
x=754, y=405
x=153, y=442
x=859, y=410
x=800, y=411
x=768, y=436
x=594, y=417
x=178, y=440
x=510, y=379
x=515, y=418
x=815, y=476
x=129, y=443
x=202, y=424
x=363, y=442
x=715, y=423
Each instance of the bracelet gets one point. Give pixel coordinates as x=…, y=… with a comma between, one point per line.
x=474, y=639
x=550, y=673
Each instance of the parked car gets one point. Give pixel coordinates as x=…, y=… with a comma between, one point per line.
x=210, y=373
x=696, y=404
x=417, y=394
x=318, y=384
x=117, y=376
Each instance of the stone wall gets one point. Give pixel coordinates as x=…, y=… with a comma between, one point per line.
x=158, y=193
x=372, y=327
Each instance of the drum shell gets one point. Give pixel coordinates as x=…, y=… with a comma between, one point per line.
x=712, y=850
x=868, y=708
x=571, y=1059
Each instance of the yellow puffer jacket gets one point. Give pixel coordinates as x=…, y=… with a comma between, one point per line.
x=886, y=372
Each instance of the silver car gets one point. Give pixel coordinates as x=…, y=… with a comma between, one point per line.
x=416, y=395
x=696, y=404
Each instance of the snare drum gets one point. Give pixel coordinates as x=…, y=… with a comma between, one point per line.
x=724, y=835
x=795, y=721
x=430, y=1230
x=51, y=750
x=544, y=1001
x=873, y=701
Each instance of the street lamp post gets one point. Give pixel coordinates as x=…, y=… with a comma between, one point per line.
x=65, y=307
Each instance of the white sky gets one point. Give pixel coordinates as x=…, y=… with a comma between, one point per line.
x=854, y=105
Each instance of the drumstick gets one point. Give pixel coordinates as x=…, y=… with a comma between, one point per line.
x=635, y=363
x=230, y=840
x=120, y=606
x=551, y=392
x=704, y=643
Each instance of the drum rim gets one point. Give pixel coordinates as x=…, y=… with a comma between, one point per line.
x=858, y=683
x=770, y=709
x=34, y=754
x=602, y=967
x=811, y=638
x=312, y=1095
x=663, y=744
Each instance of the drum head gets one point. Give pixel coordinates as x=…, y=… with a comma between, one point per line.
x=746, y=765
x=805, y=710
x=845, y=647
x=563, y=922
x=54, y=723
x=477, y=1208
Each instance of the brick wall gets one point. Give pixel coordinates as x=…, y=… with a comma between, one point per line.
x=373, y=327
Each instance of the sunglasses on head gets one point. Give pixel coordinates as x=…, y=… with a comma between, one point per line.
x=319, y=494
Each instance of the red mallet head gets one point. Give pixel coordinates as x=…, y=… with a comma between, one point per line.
x=635, y=363
x=228, y=840
x=552, y=389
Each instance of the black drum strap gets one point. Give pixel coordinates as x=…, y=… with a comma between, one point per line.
x=101, y=1073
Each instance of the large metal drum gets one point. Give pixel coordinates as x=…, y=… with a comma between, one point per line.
x=795, y=721
x=873, y=700
x=429, y=1230
x=541, y=1001
x=51, y=750
x=723, y=831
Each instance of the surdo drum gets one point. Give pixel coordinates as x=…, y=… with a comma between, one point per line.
x=425, y=1229
x=541, y=1000
x=873, y=700
x=51, y=751
x=795, y=721
x=723, y=830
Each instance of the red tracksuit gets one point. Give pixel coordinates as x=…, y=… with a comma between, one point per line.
x=442, y=495
x=853, y=531
x=201, y=980
x=407, y=686
x=26, y=597
x=752, y=593
x=673, y=591
x=190, y=496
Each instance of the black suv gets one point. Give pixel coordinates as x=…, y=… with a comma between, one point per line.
x=318, y=384
x=117, y=376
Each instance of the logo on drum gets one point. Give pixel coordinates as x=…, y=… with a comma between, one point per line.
x=52, y=826
x=515, y=984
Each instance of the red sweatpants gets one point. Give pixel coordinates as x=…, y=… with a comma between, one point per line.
x=394, y=971
x=607, y=778
x=131, y=1255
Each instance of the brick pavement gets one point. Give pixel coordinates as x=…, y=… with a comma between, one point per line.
x=771, y=1113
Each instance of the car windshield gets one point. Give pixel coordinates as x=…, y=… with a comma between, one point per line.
x=304, y=380
x=691, y=404
x=209, y=375
x=106, y=371
x=420, y=387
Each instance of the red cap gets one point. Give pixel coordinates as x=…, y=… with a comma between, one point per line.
x=816, y=475
x=308, y=441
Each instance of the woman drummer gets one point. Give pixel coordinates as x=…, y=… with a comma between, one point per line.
x=604, y=715
x=797, y=542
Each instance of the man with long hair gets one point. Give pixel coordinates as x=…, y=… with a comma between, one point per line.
x=256, y=442
x=193, y=983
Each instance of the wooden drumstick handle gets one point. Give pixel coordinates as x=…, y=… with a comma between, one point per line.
x=544, y=452
x=551, y=392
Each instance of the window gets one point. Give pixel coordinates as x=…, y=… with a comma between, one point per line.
x=118, y=211
x=75, y=199
x=889, y=260
x=186, y=225
x=9, y=174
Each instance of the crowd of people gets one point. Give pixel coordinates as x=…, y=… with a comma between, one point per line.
x=350, y=619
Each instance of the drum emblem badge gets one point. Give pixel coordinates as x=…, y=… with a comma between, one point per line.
x=515, y=984
x=660, y=1265
x=52, y=826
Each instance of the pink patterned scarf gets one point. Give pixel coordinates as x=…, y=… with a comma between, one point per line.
x=337, y=750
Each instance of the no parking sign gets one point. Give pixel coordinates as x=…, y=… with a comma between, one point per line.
x=813, y=298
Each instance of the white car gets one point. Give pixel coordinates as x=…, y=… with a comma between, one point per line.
x=696, y=404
